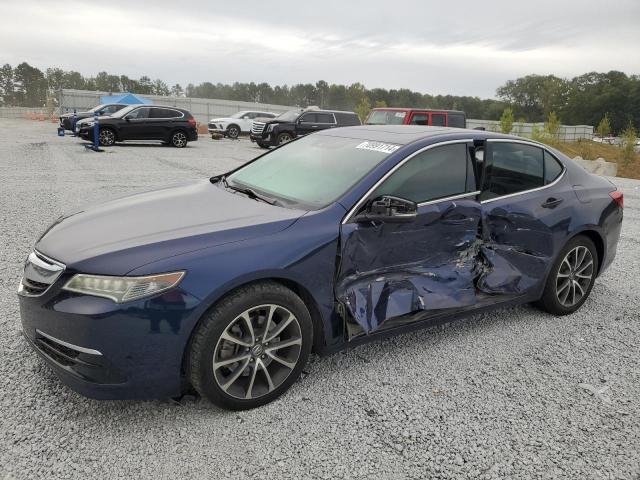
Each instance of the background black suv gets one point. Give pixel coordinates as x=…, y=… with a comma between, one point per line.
x=294, y=123
x=143, y=122
x=66, y=120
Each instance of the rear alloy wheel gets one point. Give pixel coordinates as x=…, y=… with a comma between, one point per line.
x=251, y=347
x=284, y=138
x=179, y=140
x=571, y=278
x=233, y=131
x=106, y=137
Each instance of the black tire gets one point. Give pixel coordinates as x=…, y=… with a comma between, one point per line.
x=263, y=145
x=233, y=131
x=208, y=346
x=563, y=268
x=284, y=137
x=106, y=137
x=179, y=139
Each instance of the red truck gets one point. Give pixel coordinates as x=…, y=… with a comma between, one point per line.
x=416, y=116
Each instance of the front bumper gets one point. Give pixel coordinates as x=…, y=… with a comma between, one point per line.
x=106, y=350
x=266, y=140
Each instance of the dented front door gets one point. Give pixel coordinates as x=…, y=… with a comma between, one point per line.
x=394, y=270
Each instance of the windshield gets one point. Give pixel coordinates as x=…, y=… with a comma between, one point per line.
x=386, y=117
x=238, y=115
x=95, y=109
x=289, y=116
x=311, y=172
x=123, y=111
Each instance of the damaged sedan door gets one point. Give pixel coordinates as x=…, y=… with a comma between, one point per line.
x=398, y=266
x=526, y=214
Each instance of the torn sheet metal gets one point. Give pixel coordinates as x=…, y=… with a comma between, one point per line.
x=448, y=259
x=389, y=269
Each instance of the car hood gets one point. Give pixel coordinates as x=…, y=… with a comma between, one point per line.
x=223, y=119
x=120, y=235
x=78, y=114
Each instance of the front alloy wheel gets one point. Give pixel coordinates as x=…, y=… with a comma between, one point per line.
x=257, y=351
x=106, y=137
x=233, y=131
x=251, y=346
x=284, y=138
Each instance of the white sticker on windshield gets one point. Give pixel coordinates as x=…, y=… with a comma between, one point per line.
x=378, y=147
x=401, y=114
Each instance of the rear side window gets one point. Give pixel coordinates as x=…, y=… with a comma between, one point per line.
x=165, y=113
x=308, y=118
x=552, y=168
x=512, y=168
x=438, y=119
x=324, y=118
x=419, y=119
x=457, y=120
x=139, y=113
x=435, y=173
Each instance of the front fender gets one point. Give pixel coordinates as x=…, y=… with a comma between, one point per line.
x=304, y=254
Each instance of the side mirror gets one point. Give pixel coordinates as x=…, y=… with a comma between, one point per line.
x=389, y=209
x=127, y=119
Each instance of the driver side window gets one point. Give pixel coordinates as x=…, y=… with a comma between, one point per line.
x=139, y=113
x=436, y=173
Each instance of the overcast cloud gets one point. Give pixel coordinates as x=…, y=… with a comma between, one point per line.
x=464, y=47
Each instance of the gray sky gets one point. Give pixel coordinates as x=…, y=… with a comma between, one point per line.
x=462, y=47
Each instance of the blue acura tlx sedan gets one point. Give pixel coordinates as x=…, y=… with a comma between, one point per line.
x=227, y=284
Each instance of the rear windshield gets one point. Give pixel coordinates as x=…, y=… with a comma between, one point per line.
x=312, y=172
x=386, y=117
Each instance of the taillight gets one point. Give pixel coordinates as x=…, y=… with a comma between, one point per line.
x=618, y=197
x=192, y=121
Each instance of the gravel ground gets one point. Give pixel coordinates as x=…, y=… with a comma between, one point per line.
x=511, y=394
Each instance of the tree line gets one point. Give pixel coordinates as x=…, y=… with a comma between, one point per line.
x=584, y=99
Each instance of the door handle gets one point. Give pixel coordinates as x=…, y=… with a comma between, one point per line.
x=552, y=202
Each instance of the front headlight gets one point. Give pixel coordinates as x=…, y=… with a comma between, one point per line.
x=87, y=124
x=270, y=127
x=123, y=289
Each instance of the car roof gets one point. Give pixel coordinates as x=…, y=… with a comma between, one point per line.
x=406, y=134
x=328, y=111
x=411, y=109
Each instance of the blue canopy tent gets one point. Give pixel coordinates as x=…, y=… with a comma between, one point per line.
x=127, y=98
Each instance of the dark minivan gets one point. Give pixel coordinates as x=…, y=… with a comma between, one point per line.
x=417, y=116
x=170, y=125
x=294, y=123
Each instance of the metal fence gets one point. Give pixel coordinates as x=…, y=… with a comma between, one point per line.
x=21, y=112
x=567, y=133
x=203, y=109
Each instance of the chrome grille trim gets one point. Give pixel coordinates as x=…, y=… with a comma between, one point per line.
x=257, y=127
x=40, y=272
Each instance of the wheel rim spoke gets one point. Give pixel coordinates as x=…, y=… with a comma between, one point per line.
x=286, y=363
x=235, y=375
x=267, y=376
x=283, y=344
x=280, y=327
x=254, y=372
x=228, y=361
x=230, y=338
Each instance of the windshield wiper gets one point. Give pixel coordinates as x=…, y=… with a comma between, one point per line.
x=248, y=192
